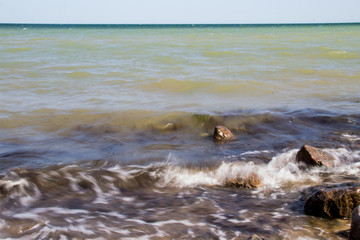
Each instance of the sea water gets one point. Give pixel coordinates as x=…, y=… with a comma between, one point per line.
x=106, y=131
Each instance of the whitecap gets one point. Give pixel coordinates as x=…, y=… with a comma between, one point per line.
x=351, y=137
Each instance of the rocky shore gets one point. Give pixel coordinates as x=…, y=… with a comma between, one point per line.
x=325, y=201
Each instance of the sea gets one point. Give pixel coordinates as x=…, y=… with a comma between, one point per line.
x=106, y=131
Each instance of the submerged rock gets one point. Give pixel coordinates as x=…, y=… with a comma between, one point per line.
x=170, y=126
x=253, y=181
x=355, y=225
x=332, y=201
x=222, y=133
x=314, y=156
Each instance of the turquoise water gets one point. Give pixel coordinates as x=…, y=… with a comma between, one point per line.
x=106, y=131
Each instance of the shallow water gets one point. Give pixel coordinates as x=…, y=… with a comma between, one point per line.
x=106, y=133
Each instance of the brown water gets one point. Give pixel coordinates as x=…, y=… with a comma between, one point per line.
x=106, y=133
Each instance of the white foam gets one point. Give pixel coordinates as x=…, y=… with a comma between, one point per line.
x=219, y=216
x=351, y=137
x=191, y=233
x=63, y=237
x=137, y=221
x=59, y=210
x=344, y=156
x=26, y=215
x=3, y=223
x=237, y=234
x=109, y=178
x=115, y=214
x=26, y=192
x=347, y=163
x=278, y=215
x=8, y=184
x=181, y=177
x=254, y=152
x=281, y=170
x=219, y=233
x=246, y=220
x=234, y=221
x=184, y=222
x=128, y=199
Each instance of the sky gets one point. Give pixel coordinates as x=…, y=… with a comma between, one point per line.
x=179, y=11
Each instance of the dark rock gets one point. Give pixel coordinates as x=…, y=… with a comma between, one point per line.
x=222, y=133
x=253, y=181
x=255, y=237
x=332, y=201
x=344, y=233
x=314, y=156
x=355, y=225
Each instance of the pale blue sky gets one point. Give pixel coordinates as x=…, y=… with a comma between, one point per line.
x=178, y=11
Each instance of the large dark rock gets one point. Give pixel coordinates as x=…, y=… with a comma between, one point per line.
x=332, y=201
x=222, y=133
x=355, y=225
x=314, y=157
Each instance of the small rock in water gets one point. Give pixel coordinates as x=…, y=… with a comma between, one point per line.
x=253, y=181
x=170, y=126
x=314, y=156
x=355, y=225
x=222, y=133
x=333, y=201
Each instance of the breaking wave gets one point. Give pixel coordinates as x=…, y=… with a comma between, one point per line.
x=282, y=172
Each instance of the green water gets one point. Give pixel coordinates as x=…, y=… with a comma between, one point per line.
x=106, y=131
x=188, y=69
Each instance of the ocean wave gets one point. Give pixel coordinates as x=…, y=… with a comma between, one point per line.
x=94, y=198
x=282, y=172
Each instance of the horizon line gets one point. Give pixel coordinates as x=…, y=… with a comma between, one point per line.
x=145, y=25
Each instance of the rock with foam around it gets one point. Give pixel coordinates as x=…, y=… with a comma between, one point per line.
x=332, y=201
x=355, y=225
x=252, y=181
x=314, y=157
x=222, y=133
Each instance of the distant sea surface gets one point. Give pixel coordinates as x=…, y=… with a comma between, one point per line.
x=106, y=130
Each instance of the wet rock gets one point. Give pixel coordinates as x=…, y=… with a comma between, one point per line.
x=314, y=156
x=222, y=133
x=355, y=225
x=253, y=181
x=332, y=201
x=255, y=237
x=344, y=233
